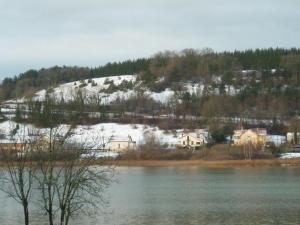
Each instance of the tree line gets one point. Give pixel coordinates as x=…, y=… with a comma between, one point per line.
x=188, y=64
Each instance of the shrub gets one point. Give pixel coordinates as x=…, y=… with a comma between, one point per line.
x=82, y=84
x=107, y=81
x=93, y=84
x=111, y=88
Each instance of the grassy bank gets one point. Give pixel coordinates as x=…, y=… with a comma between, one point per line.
x=205, y=163
x=183, y=163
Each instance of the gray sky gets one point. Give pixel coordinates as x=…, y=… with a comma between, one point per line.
x=43, y=33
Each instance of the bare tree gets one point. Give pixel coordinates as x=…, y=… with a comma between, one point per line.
x=151, y=142
x=72, y=185
x=46, y=176
x=79, y=187
x=18, y=173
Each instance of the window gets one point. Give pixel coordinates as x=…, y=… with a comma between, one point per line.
x=119, y=146
x=198, y=143
x=183, y=143
x=192, y=143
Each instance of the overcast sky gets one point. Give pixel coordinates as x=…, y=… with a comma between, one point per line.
x=43, y=33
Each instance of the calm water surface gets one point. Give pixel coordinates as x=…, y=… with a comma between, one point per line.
x=185, y=196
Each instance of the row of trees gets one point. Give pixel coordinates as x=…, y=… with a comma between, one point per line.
x=189, y=64
x=198, y=65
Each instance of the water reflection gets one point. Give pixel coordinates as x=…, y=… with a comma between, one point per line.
x=191, y=195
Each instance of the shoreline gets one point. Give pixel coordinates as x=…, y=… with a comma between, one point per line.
x=205, y=163
x=187, y=163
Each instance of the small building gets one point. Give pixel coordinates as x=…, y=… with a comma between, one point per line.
x=121, y=144
x=255, y=136
x=293, y=137
x=194, y=139
x=39, y=142
x=7, y=145
x=276, y=140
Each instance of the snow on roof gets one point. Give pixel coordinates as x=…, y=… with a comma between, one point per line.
x=10, y=141
x=198, y=134
x=258, y=131
x=291, y=134
x=121, y=139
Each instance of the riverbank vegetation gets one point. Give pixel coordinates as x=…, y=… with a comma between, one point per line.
x=215, y=152
x=207, y=163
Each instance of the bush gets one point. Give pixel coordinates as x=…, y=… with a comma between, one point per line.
x=107, y=81
x=276, y=151
x=82, y=84
x=126, y=85
x=111, y=88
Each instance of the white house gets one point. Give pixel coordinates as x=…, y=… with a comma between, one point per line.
x=194, y=139
x=120, y=144
x=290, y=137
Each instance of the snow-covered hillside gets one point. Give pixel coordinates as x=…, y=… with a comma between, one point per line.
x=97, y=87
x=68, y=91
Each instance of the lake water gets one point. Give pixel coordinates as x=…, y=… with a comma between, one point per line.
x=190, y=195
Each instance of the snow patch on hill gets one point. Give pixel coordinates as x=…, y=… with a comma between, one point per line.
x=97, y=87
x=68, y=91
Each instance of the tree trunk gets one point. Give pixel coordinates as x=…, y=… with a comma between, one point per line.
x=26, y=213
x=50, y=210
x=62, y=217
x=50, y=216
x=67, y=216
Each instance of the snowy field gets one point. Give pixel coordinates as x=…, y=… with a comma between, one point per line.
x=98, y=135
x=290, y=155
x=95, y=136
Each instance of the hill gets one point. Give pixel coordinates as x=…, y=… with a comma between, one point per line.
x=253, y=87
x=31, y=81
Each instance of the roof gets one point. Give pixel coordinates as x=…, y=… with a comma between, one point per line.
x=10, y=141
x=296, y=146
x=199, y=134
x=121, y=139
x=292, y=133
x=258, y=131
